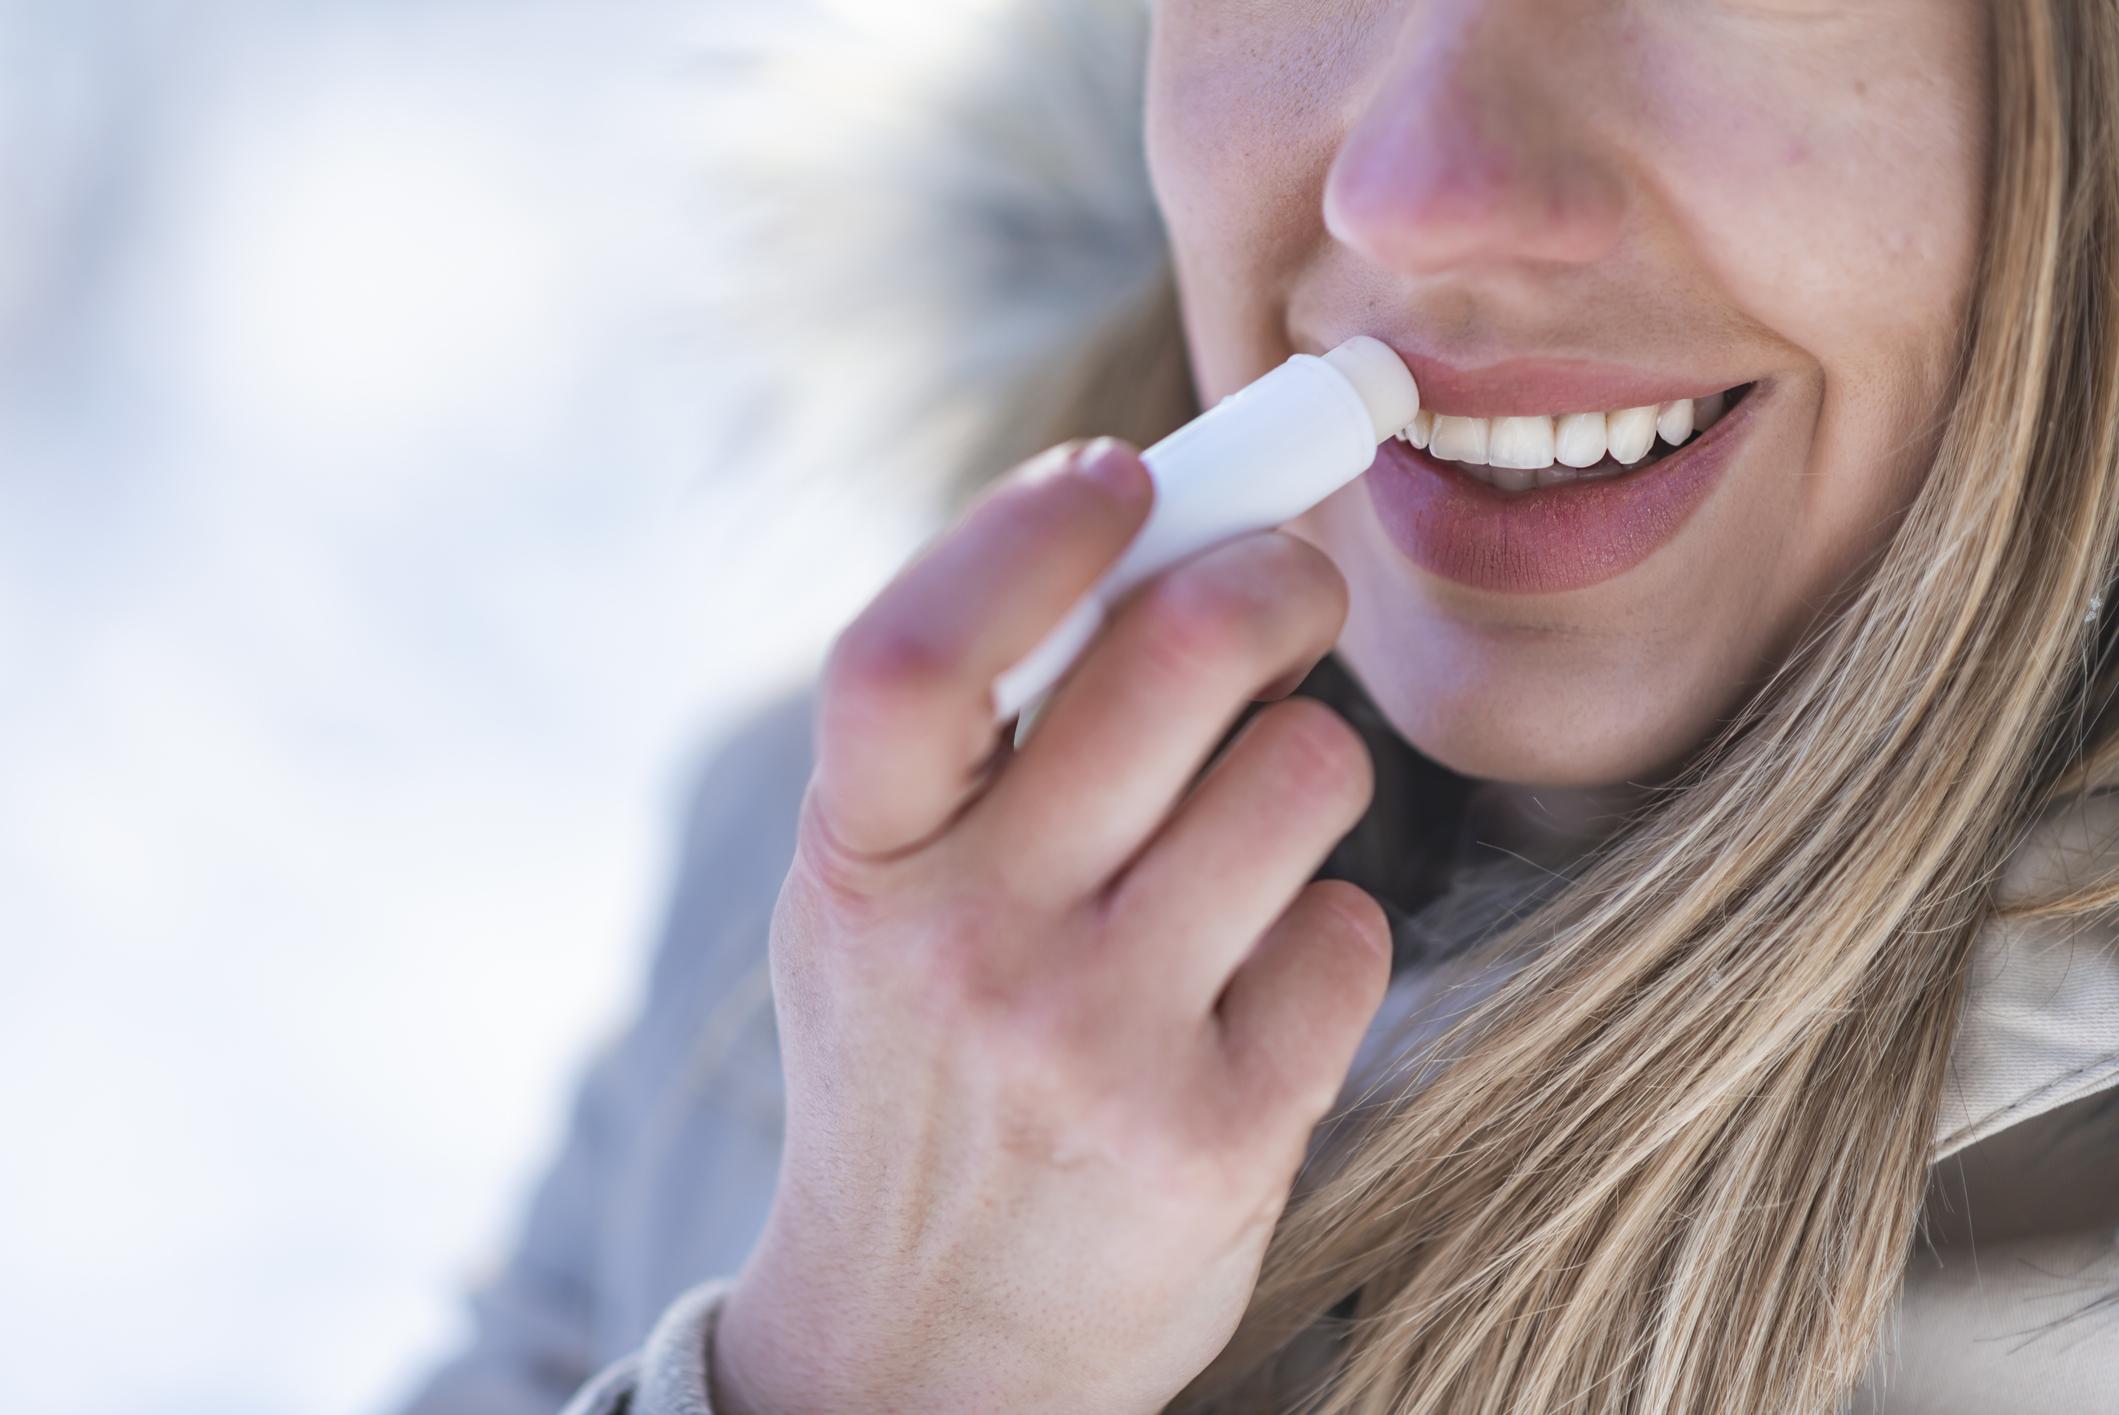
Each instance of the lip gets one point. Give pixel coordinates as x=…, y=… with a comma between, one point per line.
x=1556, y=538
x=1529, y=387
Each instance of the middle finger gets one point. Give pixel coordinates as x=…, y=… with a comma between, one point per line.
x=1129, y=728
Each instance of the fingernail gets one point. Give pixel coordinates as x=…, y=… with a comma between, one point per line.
x=1112, y=465
x=1050, y=463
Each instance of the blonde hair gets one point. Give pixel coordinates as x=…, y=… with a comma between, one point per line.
x=1676, y=1161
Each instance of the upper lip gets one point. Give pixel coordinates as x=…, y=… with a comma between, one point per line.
x=1527, y=387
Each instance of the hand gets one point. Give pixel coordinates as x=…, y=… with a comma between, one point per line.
x=1056, y=1024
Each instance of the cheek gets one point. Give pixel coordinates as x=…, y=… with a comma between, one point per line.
x=1840, y=205
x=1839, y=201
x=1243, y=116
x=1197, y=130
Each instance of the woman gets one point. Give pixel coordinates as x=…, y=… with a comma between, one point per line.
x=1640, y=942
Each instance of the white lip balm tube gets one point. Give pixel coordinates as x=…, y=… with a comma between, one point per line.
x=1261, y=456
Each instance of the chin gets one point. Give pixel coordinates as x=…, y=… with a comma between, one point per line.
x=1517, y=713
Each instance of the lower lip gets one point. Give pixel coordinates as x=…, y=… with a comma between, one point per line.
x=1552, y=538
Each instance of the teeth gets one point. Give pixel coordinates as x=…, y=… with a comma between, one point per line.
x=1631, y=432
x=1459, y=440
x=1518, y=453
x=1416, y=432
x=1520, y=444
x=1578, y=439
x=1675, y=423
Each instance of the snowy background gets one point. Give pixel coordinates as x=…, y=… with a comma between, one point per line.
x=367, y=587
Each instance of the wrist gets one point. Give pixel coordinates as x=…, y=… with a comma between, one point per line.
x=769, y=1356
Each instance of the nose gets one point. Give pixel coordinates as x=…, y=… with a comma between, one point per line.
x=1470, y=147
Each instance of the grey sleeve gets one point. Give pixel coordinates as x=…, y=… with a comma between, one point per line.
x=669, y=1374
x=572, y=1290
x=533, y=1318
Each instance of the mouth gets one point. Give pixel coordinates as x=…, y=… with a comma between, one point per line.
x=1453, y=496
x=1519, y=455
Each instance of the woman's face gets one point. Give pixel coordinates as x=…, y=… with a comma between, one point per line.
x=1560, y=207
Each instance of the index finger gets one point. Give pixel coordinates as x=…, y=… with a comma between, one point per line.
x=904, y=720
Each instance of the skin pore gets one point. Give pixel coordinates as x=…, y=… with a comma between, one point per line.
x=1786, y=191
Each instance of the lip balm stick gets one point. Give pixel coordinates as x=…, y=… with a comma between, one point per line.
x=1260, y=457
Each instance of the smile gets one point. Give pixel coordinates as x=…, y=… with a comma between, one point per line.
x=1521, y=454
x=1555, y=526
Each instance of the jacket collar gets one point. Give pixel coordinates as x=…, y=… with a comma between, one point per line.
x=2040, y=1026
x=2040, y=1022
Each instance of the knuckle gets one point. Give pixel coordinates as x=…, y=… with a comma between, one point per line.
x=1282, y=1076
x=1034, y=1025
x=1246, y=600
x=1191, y=1165
x=1316, y=577
x=883, y=660
x=953, y=942
x=965, y=959
x=1195, y=618
x=1030, y=1035
x=1030, y=1023
x=850, y=883
x=1322, y=754
x=1353, y=914
x=1049, y=1057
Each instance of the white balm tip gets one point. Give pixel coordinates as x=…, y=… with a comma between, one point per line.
x=1383, y=381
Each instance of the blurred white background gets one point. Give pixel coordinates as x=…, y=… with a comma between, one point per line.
x=367, y=584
